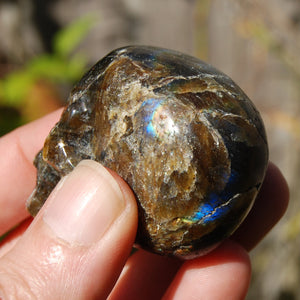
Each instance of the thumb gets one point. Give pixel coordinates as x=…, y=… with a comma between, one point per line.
x=77, y=245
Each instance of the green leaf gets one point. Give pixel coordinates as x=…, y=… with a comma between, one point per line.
x=67, y=39
x=14, y=87
x=56, y=68
x=48, y=67
x=76, y=66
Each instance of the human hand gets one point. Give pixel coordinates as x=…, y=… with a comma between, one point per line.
x=78, y=244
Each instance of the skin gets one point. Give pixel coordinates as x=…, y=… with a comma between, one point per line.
x=42, y=261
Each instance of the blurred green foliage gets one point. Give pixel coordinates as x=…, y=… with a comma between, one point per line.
x=64, y=65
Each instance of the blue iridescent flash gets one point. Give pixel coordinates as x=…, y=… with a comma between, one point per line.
x=216, y=205
x=150, y=106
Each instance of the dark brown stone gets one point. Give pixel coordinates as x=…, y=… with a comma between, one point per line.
x=183, y=135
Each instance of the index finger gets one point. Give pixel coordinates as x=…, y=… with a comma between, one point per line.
x=17, y=172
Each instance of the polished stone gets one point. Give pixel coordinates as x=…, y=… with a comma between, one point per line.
x=183, y=135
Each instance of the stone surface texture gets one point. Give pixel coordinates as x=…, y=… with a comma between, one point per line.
x=183, y=135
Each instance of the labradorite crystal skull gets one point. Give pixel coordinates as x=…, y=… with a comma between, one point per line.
x=183, y=135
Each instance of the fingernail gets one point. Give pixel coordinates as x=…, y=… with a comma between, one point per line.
x=84, y=204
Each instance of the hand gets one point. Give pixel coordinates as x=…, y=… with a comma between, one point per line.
x=78, y=244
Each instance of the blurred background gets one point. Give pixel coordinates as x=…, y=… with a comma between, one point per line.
x=46, y=46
